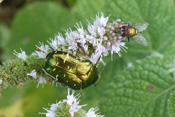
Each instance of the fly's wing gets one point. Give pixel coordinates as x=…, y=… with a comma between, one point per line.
x=141, y=26
x=140, y=39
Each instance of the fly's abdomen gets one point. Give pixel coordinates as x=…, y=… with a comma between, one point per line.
x=132, y=31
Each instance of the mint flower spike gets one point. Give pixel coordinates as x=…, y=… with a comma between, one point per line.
x=70, y=108
x=93, y=43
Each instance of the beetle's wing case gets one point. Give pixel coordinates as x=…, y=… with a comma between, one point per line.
x=140, y=39
x=70, y=71
x=70, y=63
x=141, y=26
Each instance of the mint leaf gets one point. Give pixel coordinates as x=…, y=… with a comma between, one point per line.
x=36, y=23
x=4, y=35
x=141, y=90
x=85, y=9
x=170, y=49
x=4, y=39
x=171, y=105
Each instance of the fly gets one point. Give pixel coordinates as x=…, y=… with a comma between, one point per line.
x=134, y=31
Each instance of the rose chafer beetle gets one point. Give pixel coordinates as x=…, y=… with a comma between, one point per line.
x=69, y=70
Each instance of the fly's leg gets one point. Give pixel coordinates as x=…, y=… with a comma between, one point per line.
x=127, y=40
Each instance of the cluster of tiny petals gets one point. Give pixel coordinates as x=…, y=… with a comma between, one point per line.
x=95, y=42
x=58, y=42
x=92, y=113
x=21, y=55
x=113, y=38
x=74, y=37
x=43, y=50
x=41, y=80
x=33, y=74
x=73, y=102
x=52, y=111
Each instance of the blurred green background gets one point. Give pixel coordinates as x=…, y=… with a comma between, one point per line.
x=25, y=23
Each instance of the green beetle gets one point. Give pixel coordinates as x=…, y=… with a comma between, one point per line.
x=70, y=71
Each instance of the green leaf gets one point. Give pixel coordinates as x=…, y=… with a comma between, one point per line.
x=170, y=50
x=8, y=96
x=171, y=105
x=4, y=39
x=4, y=35
x=86, y=9
x=141, y=90
x=38, y=22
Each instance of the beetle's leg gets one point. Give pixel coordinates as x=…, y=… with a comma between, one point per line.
x=78, y=56
x=82, y=49
x=97, y=61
